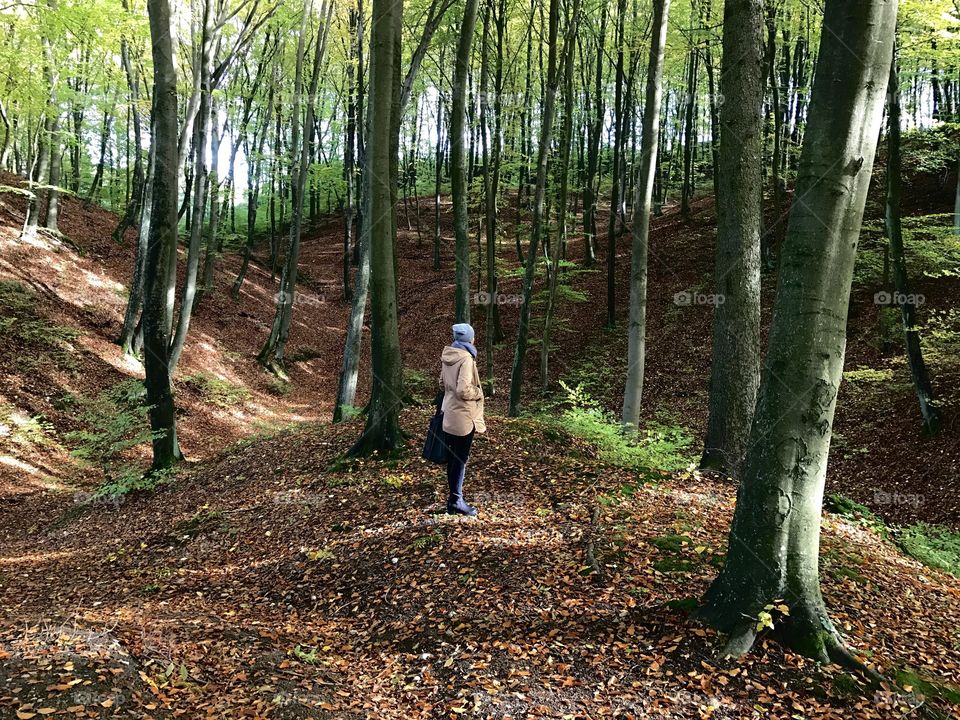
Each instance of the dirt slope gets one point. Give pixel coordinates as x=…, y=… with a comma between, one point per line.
x=277, y=582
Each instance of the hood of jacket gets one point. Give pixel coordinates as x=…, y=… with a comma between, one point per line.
x=453, y=356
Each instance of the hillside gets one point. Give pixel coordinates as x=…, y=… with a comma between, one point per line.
x=276, y=581
x=881, y=458
x=272, y=579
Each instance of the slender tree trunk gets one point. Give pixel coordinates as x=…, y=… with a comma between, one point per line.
x=201, y=185
x=458, y=113
x=773, y=550
x=901, y=283
x=591, y=189
x=566, y=136
x=97, y=183
x=735, y=368
x=642, y=207
x=135, y=299
x=271, y=355
x=438, y=178
x=768, y=240
x=689, y=137
x=134, y=207
x=616, y=200
x=349, y=155
x=163, y=233
x=539, y=219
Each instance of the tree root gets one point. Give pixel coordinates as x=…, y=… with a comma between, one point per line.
x=591, y=558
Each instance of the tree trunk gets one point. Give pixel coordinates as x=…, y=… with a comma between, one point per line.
x=689, y=137
x=458, y=183
x=642, y=207
x=382, y=430
x=135, y=299
x=615, y=193
x=201, y=185
x=735, y=367
x=901, y=283
x=773, y=549
x=538, y=229
x=591, y=189
x=271, y=355
x=556, y=250
x=163, y=233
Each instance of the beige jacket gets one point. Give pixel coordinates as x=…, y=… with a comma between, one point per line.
x=462, y=395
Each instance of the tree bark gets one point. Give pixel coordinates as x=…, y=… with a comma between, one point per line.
x=555, y=251
x=163, y=233
x=642, y=207
x=773, y=547
x=735, y=367
x=616, y=200
x=458, y=182
x=271, y=355
x=382, y=430
x=903, y=297
x=591, y=189
x=538, y=229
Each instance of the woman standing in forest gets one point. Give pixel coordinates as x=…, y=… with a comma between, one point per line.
x=462, y=411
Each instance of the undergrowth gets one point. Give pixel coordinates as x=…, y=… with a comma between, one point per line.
x=114, y=422
x=217, y=391
x=933, y=545
x=660, y=445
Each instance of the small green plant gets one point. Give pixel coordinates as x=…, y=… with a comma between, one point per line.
x=279, y=387
x=129, y=479
x=20, y=324
x=217, y=391
x=350, y=412
x=852, y=510
x=396, y=481
x=912, y=681
x=868, y=376
x=418, y=386
x=934, y=546
x=658, y=445
x=20, y=429
x=320, y=555
x=425, y=541
x=307, y=655
x=114, y=422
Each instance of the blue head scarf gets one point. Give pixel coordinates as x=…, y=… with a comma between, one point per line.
x=463, y=338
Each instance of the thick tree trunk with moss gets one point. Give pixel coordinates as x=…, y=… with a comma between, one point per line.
x=458, y=182
x=773, y=550
x=163, y=234
x=735, y=369
x=643, y=201
x=382, y=431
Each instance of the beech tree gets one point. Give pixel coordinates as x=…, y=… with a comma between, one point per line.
x=163, y=234
x=773, y=549
x=735, y=367
x=458, y=114
x=382, y=430
x=650, y=141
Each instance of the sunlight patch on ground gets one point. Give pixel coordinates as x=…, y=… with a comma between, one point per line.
x=40, y=558
x=13, y=462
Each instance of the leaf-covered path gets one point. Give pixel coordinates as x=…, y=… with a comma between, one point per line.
x=278, y=582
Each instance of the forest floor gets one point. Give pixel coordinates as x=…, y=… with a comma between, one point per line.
x=272, y=580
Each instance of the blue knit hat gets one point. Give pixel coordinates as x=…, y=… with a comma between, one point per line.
x=463, y=332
